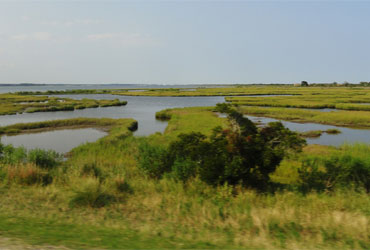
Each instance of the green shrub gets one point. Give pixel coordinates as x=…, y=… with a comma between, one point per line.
x=223, y=107
x=240, y=154
x=152, y=160
x=183, y=169
x=91, y=193
x=163, y=115
x=336, y=171
x=122, y=186
x=46, y=159
x=12, y=155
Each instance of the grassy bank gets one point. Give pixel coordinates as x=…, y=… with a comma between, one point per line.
x=355, y=119
x=253, y=90
x=35, y=127
x=15, y=103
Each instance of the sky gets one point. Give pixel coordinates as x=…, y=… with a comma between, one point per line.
x=184, y=42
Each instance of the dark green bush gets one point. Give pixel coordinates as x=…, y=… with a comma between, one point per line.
x=183, y=169
x=46, y=159
x=223, y=107
x=338, y=171
x=122, y=186
x=152, y=160
x=241, y=154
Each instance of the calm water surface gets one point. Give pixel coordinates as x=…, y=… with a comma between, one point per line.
x=61, y=141
x=347, y=135
x=140, y=108
x=143, y=109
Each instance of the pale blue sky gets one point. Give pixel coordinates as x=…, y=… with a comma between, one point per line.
x=184, y=42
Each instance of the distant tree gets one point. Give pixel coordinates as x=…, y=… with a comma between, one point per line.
x=304, y=84
x=345, y=83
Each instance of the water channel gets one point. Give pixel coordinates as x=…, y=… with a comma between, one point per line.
x=143, y=109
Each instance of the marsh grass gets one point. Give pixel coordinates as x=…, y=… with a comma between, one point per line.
x=35, y=127
x=17, y=103
x=27, y=174
x=126, y=209
x=318, y=133
x=356, y=119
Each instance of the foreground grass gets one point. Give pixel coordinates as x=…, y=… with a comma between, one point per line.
x=49, y=232
x=164, y=213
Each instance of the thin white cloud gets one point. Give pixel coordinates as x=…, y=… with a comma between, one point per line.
x=36, y=36
x=74, y=22
x=124, y=39
x=41, y=36
x=20, y=37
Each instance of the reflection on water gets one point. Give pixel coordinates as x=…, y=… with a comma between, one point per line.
x=62, y=141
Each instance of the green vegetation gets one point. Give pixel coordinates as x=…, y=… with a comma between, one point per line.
x=356, y=119
x=350, y=167
x=241, y=154
x=66, y=92
x=35, y=127
x=340, y=98
x=16, y=103
x=358, y=94
x=311, y=133
x=101, y=197
x=318, y=133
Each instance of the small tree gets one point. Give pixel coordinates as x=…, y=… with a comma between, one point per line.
x=304, y=84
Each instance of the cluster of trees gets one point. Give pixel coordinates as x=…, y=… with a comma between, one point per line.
x=335, y=84
x=240, y=154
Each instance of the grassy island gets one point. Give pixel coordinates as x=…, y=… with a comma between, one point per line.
x=15, y=103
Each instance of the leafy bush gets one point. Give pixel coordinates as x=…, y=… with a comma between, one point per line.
x=336, y=171
x=240, y=154
x=223, y=107
x=12, y=155
x=152, y=160
x=46, y=159
x=183, y=169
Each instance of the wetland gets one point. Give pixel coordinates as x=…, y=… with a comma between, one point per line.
x=130, y=179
